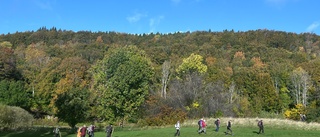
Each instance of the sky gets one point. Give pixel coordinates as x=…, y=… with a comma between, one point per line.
x=163, y=16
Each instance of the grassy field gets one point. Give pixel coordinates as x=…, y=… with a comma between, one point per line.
x=241, y=128
x=185, y=132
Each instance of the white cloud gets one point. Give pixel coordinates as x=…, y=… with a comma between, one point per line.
x=313, y=27
x=136, y=17
x=154, y=22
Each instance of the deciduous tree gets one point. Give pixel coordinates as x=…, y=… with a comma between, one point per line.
x=123, y=80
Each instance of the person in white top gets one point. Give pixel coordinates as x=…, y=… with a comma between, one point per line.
x=177, y=126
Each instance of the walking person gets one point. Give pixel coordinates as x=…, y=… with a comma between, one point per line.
x=83, y=131
x=203, y=127
x=109, y=130
x=79, y=132
x=90, y=130
x=229, y=128
x=260, y=125
x=56, y=131
x=200, y=125
x=217, y=123
x=177, y=126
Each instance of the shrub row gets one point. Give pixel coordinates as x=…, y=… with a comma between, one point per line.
x=14, y=118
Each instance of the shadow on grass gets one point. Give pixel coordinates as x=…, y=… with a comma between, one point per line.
x=255, y=132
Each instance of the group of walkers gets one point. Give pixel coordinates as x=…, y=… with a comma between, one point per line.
x=82, y=131
x=202, y=127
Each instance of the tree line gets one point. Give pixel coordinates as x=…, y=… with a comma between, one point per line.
x=159, y=78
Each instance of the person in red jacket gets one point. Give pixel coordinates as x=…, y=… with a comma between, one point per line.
x=203, y=127
x=83, y=131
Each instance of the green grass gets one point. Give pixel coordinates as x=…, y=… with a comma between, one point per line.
x=169, y=132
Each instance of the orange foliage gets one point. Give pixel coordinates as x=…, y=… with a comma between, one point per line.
x=257, y=62
x=210, y=61
x=240, y=55
x=229, y=70
x=99, y=39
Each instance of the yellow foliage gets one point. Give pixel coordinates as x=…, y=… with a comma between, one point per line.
x=6, y=44
x=195, y=104
x=294, y=113
x=188, y=108
x=192, y=63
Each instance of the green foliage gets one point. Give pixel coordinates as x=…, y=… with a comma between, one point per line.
x=13, y=93
x=14, y=118
x=313, y=114
x=73, y=106
x=122, y=79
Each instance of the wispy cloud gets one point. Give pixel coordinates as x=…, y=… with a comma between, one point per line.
x=136, y=17
x=154, y=22
x=313, y=27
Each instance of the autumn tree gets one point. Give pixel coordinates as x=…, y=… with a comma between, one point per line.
x=194, y=63
x=8, y=68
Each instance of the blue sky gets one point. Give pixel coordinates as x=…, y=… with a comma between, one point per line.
x=164, y=16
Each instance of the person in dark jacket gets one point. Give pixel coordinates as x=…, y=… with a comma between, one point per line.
x=217, y=123
x=260, y=125
x=200, y=125
x=229, y=128
x=109, y=130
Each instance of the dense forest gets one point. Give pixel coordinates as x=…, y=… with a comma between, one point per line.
x=156, y=78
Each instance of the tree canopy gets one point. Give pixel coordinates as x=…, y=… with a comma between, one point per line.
x=123, y=79
x=140, y=76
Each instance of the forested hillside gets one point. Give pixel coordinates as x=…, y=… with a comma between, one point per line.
x=159, y=78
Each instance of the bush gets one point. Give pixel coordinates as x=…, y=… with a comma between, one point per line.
x=294, y=113
x=313, y=115
x=167, y=116
x=14, y=117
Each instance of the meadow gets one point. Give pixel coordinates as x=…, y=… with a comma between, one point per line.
x=241, y=128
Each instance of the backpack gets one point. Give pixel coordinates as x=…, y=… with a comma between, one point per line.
x=259, y=123
x=216, y=122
